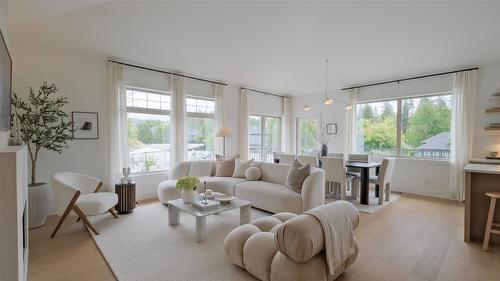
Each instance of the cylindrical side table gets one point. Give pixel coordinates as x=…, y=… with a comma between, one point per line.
x=126, y=197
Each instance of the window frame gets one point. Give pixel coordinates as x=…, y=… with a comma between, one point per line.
x=151, y=111
x=297, y=129
x=199, y=115
x=399, y=125
x=262, y=132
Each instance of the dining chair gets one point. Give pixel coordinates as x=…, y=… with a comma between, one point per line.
x=308, y=159
x=335, y=172
x=364, y=158
x=286, y=158
x=384, y=179
x=80, y=193
x=337, y=155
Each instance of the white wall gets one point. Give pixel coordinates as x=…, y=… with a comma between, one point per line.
x=83, y=79
x=4, y=136
x=425, y=177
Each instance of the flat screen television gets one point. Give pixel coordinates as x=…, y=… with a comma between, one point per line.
x=5, y=84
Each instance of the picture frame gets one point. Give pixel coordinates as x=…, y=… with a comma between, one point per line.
x=85, y=125
x=331, y=129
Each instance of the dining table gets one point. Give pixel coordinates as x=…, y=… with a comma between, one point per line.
x=364, y=168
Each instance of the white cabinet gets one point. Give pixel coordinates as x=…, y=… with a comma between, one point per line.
x=13, y=213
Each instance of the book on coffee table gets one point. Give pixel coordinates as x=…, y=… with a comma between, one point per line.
x=203, y=205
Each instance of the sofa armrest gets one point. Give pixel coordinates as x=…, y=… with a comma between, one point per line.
x=313, y=190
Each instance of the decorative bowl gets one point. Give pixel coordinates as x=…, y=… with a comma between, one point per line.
x=225, y=199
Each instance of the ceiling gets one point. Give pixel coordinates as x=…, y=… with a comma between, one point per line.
x=273, y=46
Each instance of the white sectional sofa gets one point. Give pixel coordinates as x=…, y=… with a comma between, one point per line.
x=269, y=193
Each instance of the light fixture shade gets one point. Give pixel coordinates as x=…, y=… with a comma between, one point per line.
x=223, y=132
x=327, y=100
x=307, y=107
x=348, y=107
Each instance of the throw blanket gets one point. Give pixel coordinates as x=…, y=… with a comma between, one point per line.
x=338, y=232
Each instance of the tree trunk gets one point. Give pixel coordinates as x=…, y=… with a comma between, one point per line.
x=33, y=172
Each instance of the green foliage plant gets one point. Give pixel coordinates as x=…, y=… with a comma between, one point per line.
x=187, y=183
x=42, y=122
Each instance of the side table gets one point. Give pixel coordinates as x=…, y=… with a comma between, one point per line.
x=126, y=197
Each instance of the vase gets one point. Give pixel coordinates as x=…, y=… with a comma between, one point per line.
x=324, y=150
x=189, y=196
x=38, y=204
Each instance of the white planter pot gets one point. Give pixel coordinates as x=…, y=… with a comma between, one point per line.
x=38, y=204
x=189, y=197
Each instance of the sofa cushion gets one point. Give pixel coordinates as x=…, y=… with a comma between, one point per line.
x=167, y=191
x=275, y=173
x=296, y=176
x=201, y=168
x=240, y=168
x=221, y=184
x=253, y=174
x=269, y=196
x=225, y=168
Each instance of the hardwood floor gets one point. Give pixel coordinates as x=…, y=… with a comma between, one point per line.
x=414, y=238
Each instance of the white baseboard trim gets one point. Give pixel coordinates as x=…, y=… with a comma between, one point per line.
x=425, y=192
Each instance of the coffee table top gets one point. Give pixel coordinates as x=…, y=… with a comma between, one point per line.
x=188, y=208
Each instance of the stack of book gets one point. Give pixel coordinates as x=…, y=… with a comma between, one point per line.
x=495, y=125
x=206, y=205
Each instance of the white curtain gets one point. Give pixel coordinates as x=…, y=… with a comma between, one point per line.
x=350, y=129
x=285, y=126
x=219, y=117
x=243, y=135
x=118, y=139
x=462, y=122
x=178, y=149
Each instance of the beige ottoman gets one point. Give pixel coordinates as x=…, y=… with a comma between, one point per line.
x=284, y=247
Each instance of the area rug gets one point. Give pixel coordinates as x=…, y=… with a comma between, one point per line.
x=141, y=246
x=373, y=207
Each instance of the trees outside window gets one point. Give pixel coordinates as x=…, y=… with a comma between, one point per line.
x=200, y=128
x=423, y=129
x=148, y=124
x=307, y=142
x=264, y=137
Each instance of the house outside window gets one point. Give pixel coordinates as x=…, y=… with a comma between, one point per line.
x=200, y=128
x=407, y=127
x=148, y=125
x=264, y=137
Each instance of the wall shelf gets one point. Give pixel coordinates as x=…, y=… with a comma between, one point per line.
x=491, y=128
x=491, y=110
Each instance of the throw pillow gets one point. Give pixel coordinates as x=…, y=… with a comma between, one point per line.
x=253, y=174
x=225, y=168
x=241, y=167
x=296, y=176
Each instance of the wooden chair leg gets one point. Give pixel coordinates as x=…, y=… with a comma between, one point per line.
x=113, y=213
x=381, y=195
x=66, y=213
x=84, y=219
x=489, y=224
x=388, y=192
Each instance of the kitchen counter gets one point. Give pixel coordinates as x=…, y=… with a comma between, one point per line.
x=484, y=161
x=479, y=179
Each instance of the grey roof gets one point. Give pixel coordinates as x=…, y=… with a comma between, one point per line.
x=440, y=141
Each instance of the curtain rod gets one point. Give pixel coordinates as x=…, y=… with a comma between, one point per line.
x=167, y=72
x=410, y=78
x=265, y=93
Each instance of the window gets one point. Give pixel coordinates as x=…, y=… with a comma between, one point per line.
x=200, y=128
x=423, y=129
x=148, y=123
x=307, y=143
x=264, y=137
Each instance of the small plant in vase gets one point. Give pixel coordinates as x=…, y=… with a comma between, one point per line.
x=188, y=186
x=323, y=138
x=41, y=124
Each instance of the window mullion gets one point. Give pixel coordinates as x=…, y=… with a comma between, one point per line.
x=399, y=129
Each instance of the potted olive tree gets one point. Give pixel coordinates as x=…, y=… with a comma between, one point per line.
x=42, y=124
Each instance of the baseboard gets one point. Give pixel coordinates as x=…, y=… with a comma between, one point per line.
x=425, y=192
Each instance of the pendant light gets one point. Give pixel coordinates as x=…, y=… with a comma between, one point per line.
x=327, y=101
x=307, y=107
